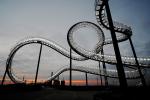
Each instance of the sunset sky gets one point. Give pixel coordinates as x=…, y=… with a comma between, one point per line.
x=52, y=19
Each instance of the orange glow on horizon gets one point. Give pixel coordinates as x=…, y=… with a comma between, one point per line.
x=83, y=82
x=67, y=82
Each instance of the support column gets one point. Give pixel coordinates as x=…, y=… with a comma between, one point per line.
x=38, y=64
x=86, y=79
x=119, y=65
x=99, y=65
x=139, y=68
x=4, y=76
x=104, y=68
x=70, y=67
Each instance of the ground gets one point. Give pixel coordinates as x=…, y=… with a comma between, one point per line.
x=74, y=93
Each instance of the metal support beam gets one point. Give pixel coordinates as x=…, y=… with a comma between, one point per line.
x=86, y=79
x=4, y=76
x=99, y=65
x=119, y=65
x=38, y=64
x=139, y=68
x=104, y=67
x=97, y=80
x=70, y=67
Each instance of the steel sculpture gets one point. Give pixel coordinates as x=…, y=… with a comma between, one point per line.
x=83, y=54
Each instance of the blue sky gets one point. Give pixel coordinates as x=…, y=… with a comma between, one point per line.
x=52, y=19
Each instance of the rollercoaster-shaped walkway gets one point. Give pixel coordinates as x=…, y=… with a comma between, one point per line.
x=83, y=54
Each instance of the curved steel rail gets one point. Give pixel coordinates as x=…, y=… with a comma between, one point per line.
x=110, y=73
x=129, y=74
x=129, y=61
x=85, y=54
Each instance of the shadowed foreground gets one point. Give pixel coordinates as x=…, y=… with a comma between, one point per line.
x=47, y=94
x=20, y=92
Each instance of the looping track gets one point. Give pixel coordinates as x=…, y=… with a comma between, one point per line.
x=101, y=17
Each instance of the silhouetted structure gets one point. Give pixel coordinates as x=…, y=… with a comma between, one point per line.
x=38, y=64
x=56, y=83
x=62, y=83
x=86, y=78
x=70, y=67
x=99, y=65
x=139, y=68
x=104, y=67
x=119, y=65
x=103, y=16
